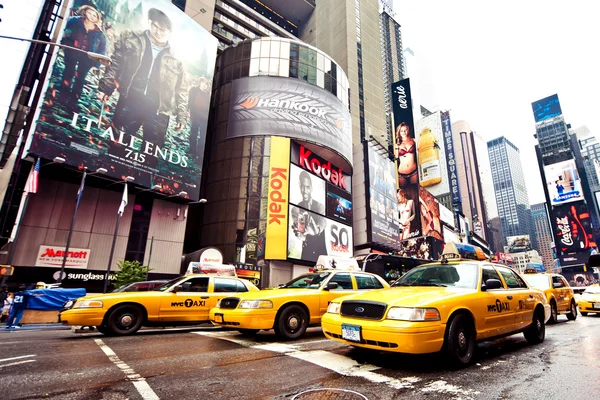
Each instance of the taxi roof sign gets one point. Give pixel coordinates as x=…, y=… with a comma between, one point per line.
x=462, y=251
x=211, y=269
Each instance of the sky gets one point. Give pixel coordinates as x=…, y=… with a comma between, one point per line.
x=487, y=62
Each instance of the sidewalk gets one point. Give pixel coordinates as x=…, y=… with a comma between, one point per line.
x=34, y=326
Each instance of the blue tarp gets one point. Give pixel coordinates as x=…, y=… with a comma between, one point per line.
x=52, y=299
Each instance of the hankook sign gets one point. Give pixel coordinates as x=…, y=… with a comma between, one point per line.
x=289, y=107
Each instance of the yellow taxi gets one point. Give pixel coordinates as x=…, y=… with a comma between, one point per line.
x=292, y=307
x=185, y=300
x=558, y=292
x=447, y=305
x=589, y=301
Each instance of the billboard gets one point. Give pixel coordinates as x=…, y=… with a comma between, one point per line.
x=546, y=108
x=424, y=247
x=430, y=215
x=143, y=116
x=451, y=160
x=433, y=164
x=262, y=105
x=450, y=236
x=52, y=256
x=447, y=216
x=339, y=204
x=405, y=151
x=384, y=203
x=277, y=203
x=519, y=243
x=307, y=190
x=306, y=159
x=572, y=228
x=563, y=183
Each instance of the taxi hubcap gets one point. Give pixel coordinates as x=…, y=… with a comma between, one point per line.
x=293, y=322
x=126, y=320
x=462, y=340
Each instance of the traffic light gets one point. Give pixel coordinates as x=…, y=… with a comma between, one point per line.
x=6, y=270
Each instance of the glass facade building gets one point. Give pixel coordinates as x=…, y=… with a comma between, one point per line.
x=553, y=137
x=543, y=233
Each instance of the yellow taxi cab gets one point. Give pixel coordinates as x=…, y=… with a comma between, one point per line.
x=589, y=301
x=442, y=306
x=292, y=307
x=184, y=300
x=558, y=292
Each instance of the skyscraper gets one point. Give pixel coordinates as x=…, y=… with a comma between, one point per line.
x=543, y=233
x=510, y=189
x=551, y=130
x=586, y=148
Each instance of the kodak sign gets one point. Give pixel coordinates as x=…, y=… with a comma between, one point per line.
x=277, y=205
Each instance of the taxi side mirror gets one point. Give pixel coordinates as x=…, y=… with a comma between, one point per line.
x=491, y=284
x=332, y=286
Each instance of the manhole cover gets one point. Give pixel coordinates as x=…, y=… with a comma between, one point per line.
x=330, y=394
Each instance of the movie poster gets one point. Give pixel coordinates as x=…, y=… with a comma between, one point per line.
x=145, y=114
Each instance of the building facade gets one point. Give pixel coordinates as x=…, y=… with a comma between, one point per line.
x=543, y=234
x=586, y=148
x=510, y=189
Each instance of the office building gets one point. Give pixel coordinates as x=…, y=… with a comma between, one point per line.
x=543, y=234
x=496, y=237
x=510, y=189
x=522, y=259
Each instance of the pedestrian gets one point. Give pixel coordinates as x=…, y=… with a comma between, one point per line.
x=6, y=304
x=18, y=308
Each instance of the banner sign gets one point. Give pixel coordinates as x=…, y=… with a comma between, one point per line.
x=52, y=256
x=306, y=159
x=433, y=171
x=277, y=204
x=563, y=183
x=451, y=160
x=572, y=228
x=262, y=105
x=546, y=108
x=405, y=150
x=143, y=116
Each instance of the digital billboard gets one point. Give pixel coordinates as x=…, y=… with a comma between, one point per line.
x=339, y=204
x=430, y=215
x=384, y=204
x=572, y=228
x=424, y=247
x=307, y=190
x=563, y=183
x=546, y=108
x=405, y=153
x=145, y=114
x=519, y=243
x=433, y=163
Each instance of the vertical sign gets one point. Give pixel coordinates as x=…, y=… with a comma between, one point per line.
x=451, y=160
x=277, y=204
x=405, y=151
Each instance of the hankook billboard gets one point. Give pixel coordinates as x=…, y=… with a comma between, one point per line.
x=145, y=114
x=262, y=105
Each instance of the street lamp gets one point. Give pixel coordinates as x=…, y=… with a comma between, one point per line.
x=101, y=58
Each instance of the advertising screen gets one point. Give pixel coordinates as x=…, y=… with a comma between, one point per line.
x=307, y=190
x=145, y=114
x=563, y=183
x=546, y=108
x=385, y=204
x=405, y=152
x=518, y=244
x=306, y=159
x=339, y=204
x=447, y=216
x=433, y=164
x=450, y=236
x=430, y=215
x=424, y=247
x=572, y=228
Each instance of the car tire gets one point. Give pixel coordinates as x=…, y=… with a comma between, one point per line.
x=572, y=315
x=125, y=320
x=584, y=313
x=553, y=313
x=460, y=341
x=248, y=332
x=536, y=332
x=291, y=323
x=103, y=329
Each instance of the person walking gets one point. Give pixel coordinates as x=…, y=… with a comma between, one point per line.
x=6, y=304
x=17, y=310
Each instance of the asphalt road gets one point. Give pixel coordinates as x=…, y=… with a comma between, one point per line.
x=212, y=363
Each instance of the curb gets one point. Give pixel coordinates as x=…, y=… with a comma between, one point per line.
x=35, y=327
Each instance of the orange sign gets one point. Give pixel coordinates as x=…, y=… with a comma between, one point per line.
x=277, y=205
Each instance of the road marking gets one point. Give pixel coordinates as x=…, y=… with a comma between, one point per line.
x=138, y=381
x=17, y=363
x=16, y=358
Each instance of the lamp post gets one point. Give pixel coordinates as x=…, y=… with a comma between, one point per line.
x=101, y=58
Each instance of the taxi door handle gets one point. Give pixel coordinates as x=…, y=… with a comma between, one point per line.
x=509, y=297
x=204, y=297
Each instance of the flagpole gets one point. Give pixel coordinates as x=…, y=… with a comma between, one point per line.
x=79, y=196
x=112, y=247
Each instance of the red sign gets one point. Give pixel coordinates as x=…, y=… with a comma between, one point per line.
x=306, y=159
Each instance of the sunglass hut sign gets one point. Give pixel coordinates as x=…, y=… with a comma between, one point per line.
x=309, y=161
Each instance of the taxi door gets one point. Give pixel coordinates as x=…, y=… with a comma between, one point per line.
x=345, y=287
x=188, y=304
x=495, y=310
x=522, y=298
x=563, y=297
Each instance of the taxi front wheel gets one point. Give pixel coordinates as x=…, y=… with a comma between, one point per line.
x=537, y=330
x=125, y=320
x=292, y=322
x=460, y=341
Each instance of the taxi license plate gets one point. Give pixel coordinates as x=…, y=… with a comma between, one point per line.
x=596, y=305
x=351, y=332
x=219, y=318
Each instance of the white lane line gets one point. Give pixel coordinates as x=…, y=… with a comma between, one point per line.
x=17, y=363
x=138, y=381
x=16, y=358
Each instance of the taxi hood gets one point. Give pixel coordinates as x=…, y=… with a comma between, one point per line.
x=418, y=296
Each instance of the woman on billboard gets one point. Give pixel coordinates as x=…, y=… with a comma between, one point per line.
x=406, y=213
x=407, y=160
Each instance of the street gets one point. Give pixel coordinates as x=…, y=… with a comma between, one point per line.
x=212, y=363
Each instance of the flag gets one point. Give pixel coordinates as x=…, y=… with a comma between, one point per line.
x=81, y=187
x=123, y=202
x=32, y=181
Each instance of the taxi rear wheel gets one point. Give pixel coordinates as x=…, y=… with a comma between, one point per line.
x=536, y=332
x=572, y=315
x=292, y=322
x=553, y=313
x=460, y=341
x=125, y=320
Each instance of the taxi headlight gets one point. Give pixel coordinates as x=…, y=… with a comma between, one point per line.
x=68, y=304
x=88, y=304
x=334, y=308
x=413, y=314
x=256, y=304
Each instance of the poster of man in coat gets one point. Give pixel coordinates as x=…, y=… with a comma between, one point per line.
x=141, y=108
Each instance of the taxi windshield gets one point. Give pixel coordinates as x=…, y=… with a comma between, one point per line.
x=463, y=275
x=538, y=281
x=167, y=285
x=592, y=290
x=307, y=281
